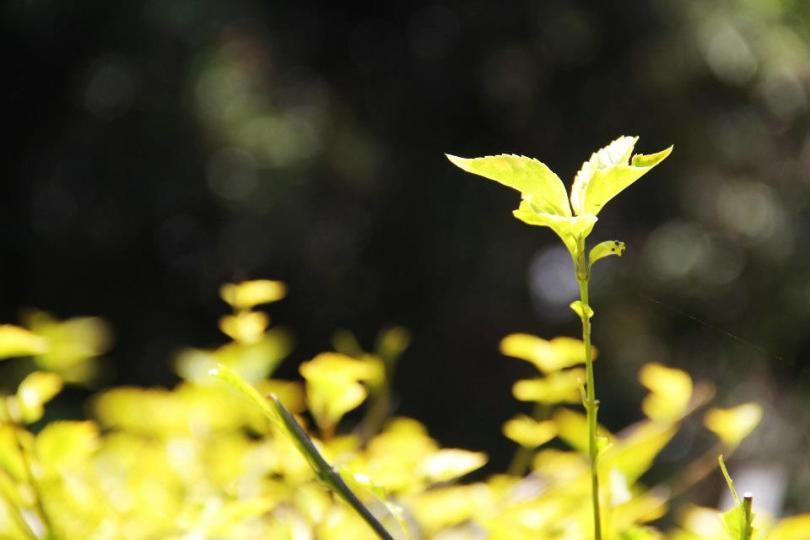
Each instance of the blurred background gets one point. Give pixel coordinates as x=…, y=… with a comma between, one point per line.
x=158, y=149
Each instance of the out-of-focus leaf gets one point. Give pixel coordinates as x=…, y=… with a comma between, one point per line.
x=633, y=453
x=247, y=294
x=450, y=463
x=329, y=399
x=702, y=523
x=792, y=528
x=164, y=413
x=670, y=392
x=734, y=424
x=290, y=393
x=557, y=387
x=34, y=392
x=65, y=443
x=16, y=341
x=572, y=427
x=246, y=327
x=392, y=342
x=73, y=345
x=640, y=533
x=608, y=172
x=528, y=432
x=526, y=175
x=547, y=355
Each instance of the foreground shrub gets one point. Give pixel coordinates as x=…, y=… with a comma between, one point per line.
x=233, y=452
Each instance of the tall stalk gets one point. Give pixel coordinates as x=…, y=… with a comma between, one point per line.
x=591, y=404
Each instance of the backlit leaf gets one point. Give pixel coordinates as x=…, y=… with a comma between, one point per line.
x=734, y=424
x=247, y=294
x=670, y=392
x=571, y=229
x=547, y=355
x=246, y=327
x=572, y=427
x=581, y=309
x=528, y=432
x=450, y=463
x=526, y=175
x=34, y=391
x=606, y=249
x=792, y=528
x=557, y=387
x=608, y=172
x=16, y=341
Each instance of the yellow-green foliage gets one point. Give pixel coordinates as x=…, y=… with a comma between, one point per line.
x=199, y=461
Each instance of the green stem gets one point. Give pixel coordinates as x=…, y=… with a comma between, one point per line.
x=591, y=404
x=279, y=416
x=325, y=472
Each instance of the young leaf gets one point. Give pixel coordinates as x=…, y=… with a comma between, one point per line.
x=609, y=171
x=739, y=521
x=581, y=309
x=606, y=249
x=571, y=230
x=526, y=175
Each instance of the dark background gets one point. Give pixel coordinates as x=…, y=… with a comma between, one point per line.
x=158, y=149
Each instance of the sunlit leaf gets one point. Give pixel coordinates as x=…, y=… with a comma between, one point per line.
x=246, y=327
x=16, y=341
x=66, y=443
x=734, y=424
x=562, y=467
x=528, y=432
x=73, y=345
x=571, y=229
x=633, y=451
x=329, y=399
x=392, y=342
x=547, y=355
x=450, y=463
x=608, y=172
x=670, y=392
x=606, y=249
x=34, y=391
x=247, y=294
x=640, y=533
x=792, y=528
x=556, y=387
x=339, y=366
x=582, y=310
x=290, y=393
x=572, y=427
x=526, y=175
x=702, y=523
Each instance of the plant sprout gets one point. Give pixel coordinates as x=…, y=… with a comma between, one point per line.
x=544, y=202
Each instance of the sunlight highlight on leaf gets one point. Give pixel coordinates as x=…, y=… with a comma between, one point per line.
x=734, y=424
x=670, y=392
x=248, y=294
